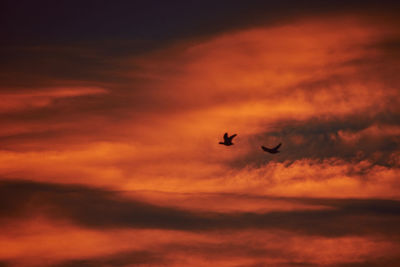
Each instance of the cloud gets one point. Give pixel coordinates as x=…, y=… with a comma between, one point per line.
x=331, y=177
x=241, y=80
x=121, y=259
x=351, y=138
x=177, y=249
x=42, y=98
x=95, y=208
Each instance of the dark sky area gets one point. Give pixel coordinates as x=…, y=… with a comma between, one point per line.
x=43, y=22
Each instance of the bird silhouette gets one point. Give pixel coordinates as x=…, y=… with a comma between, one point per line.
x=272, y=150
x=227, y=140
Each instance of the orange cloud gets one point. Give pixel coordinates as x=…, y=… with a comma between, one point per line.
x=40, y=98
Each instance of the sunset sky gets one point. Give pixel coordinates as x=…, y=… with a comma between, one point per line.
x=111, y=113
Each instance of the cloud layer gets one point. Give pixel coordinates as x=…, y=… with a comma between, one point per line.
x=109, y=149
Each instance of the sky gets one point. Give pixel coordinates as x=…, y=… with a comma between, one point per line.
x=112, y=111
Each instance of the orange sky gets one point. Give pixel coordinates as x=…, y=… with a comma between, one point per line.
x=127, y=170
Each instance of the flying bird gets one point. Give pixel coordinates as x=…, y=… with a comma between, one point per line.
x=272, y=150
x=227, y=140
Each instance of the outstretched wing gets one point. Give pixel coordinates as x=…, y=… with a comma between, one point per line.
x=266, y=149
x=232, y=136
x=278, y=146
x=226, y=138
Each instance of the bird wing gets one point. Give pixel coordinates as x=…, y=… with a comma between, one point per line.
x=226, y=138
x=232, y=136
x=266, y=149
x=278, y=146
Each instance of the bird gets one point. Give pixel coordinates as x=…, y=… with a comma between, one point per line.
x=272, y=150
x=227, y=140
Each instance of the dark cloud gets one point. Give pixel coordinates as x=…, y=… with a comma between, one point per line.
x=96, y=208
x=390, y=46
x=92, y=208
x=321, y=138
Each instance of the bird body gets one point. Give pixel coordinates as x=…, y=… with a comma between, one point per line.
x=272, y=150
x=227, y=140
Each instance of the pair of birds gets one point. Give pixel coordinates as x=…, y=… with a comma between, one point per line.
x=228, y=142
